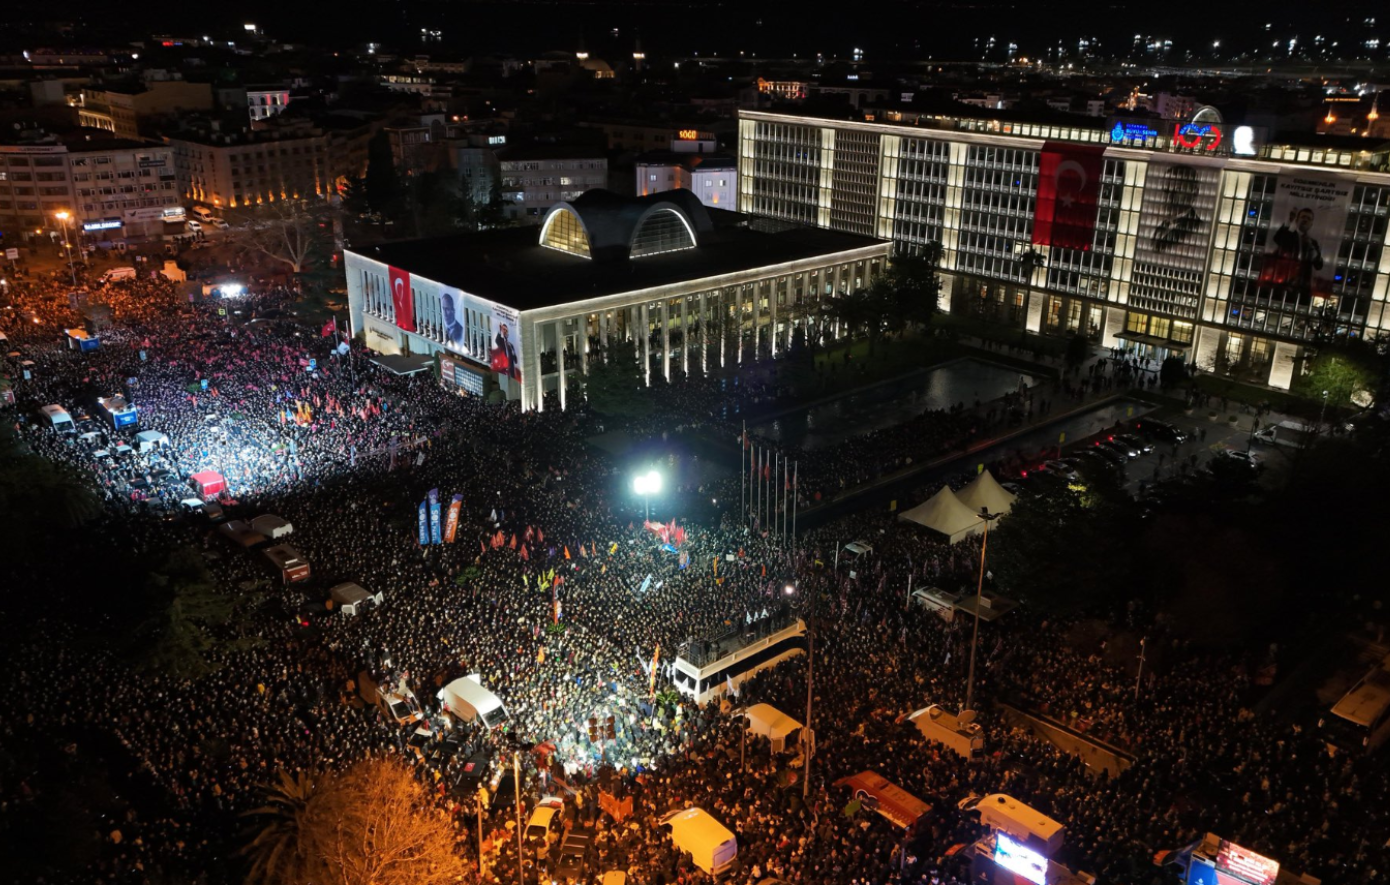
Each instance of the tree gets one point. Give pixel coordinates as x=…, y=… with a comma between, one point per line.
x=40, y=498
x=1029, y=260
x=280, y=849
x=295, y=233
x=382, y=190
x=183, y=608
x=911, y=287
x=1077, y=349
x=1173, y=372
x=373, y=825
x=614, y=386
x=437, y=206
x=1066, y=549
x=1349, y=372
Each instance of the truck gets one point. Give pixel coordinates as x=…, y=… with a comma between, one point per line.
x=1287, y=433
x=117, y=412
x=1026, y=826
x=712, y=846
x=936, y=723
x=468, y=701
x=351, y=598
x=286, y=563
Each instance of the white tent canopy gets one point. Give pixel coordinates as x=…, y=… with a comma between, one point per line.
x=984, y=491
x=944, y=513
x=772, y=723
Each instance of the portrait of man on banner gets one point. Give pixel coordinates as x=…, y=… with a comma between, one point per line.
x=1180, y=220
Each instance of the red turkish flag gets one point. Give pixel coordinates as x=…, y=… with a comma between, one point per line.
x=402, y=299
x=1068, y=189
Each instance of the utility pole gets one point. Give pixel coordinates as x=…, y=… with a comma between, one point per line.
x=979, y=595
x=1140, y=678
x=810, y=733
x=516, y=797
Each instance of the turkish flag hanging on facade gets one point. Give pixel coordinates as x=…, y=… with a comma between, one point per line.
x=1068, y=188
x=402, y=299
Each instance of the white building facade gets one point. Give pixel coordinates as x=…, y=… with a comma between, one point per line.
x=1193, y=240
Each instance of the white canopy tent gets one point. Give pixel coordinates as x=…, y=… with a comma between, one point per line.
x=944, y=513
x=984, y=491
x=771, y=723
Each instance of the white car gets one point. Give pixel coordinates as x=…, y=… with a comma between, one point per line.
x=219, y=223
x=546, y=824
x=193, y=225
x=402, y=709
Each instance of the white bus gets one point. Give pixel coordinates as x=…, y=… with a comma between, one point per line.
x=1360, y=721
x=706, y=670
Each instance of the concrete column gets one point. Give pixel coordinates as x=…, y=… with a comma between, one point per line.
x=773, y=290
x=704, y=334
x=603, y=329
x=560, y=360
x=685, y=335
x=666, y=338
x=645, y=329
x=584, y=345
x=532, y=384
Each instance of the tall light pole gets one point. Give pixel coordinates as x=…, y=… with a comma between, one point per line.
x=808, y=734
x=63, y=216
x=516, y=797
x=646, y=485
x=979, y=594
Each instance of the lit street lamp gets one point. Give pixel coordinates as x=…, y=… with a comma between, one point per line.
x=646, y=485
x=979, y=592
x=63, y=216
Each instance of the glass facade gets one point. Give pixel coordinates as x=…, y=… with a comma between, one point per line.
x=662, y=231
x=1186, y=251
x=565, y=232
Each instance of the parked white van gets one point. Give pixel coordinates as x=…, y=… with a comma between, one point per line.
x=711, y=844
x=116, y=274
x=466, y=700
x=58, y=418
x=202, y=213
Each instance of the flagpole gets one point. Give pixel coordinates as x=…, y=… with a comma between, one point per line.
x=757, y=486
x=795, y=471
x=776, y=465
x=743, y=473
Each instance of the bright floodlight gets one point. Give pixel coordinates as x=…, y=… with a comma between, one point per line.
x=648, y=483
x=789, y=589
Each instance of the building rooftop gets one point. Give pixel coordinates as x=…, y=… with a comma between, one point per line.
x=687, y=159
x=513, y=153
x=512, y=268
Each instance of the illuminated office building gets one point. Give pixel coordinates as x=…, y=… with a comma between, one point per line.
x=1193, y=238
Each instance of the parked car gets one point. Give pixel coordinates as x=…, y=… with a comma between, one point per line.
x=1161, y=431
x=547, y=823
x=1061, y=468
x=403, y=709
x=1144, y=446
x=1119, y=448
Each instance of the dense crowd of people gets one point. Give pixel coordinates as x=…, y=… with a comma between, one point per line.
x=564, y=603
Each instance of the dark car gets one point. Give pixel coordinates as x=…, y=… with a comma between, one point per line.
x=1119, y=448
x=1134, y=442
x=1161, y=431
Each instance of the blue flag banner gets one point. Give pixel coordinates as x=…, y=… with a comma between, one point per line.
x=424, y=524
x=436, y=523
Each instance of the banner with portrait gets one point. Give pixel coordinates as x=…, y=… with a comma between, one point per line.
x=505, y=358
x=485, y=332
x=1306, y=224
x=1175, y=223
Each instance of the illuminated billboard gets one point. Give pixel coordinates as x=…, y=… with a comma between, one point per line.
x=1170, y=253
x=1306, y=223
x=1015, y=858
x=1245, y=864
x=482, y=330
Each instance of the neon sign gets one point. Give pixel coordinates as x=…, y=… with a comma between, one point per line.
x=1205, y=137
x=689, y=135
x=1123, y=132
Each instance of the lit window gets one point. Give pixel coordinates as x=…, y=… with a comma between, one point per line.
x=662, y=231
x=564, y=232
